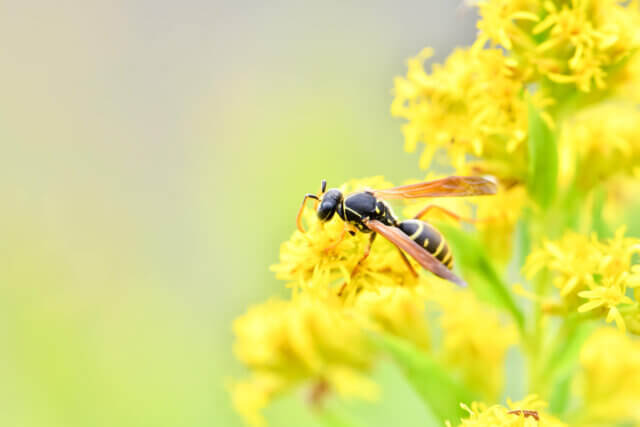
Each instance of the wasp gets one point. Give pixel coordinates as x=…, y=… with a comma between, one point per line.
x=368, y=212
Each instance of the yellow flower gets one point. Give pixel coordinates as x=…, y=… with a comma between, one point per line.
x=621, y=195
x=600, y=143
x=507, y=22
x=313, y=262
x=470, y=105
x=287, y=343
x=608, y=295
x=609, y=381
x=499, y=216
x=397, y=311
x=524, y=413
x=475, y=339
x=574, y=259
x=577, y=42
x=586, y=268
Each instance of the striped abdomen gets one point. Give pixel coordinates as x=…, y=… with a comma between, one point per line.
x=429, y=238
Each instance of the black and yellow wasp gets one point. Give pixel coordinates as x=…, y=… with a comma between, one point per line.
x=368, y=212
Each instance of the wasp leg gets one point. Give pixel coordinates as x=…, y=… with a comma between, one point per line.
x=299, y=216
x=406, y=261
x=367, y=251
x=447, y=212
x=337, y=242
x=346, y=228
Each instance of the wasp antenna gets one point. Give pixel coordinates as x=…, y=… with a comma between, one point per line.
x=324, y=186
x=299, y=216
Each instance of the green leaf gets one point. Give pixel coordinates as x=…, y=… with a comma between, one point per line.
x=559, y=400
x=479, y=271
x=597, y=221
x=543, y=160
x=561, y=366
x=523, y=237
x=442, y=393
x=565, y=354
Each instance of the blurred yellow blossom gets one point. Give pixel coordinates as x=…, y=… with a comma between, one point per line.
x=475, y=338
x=397, y=311
x=592, y=270
x=287, y=343
x=609, y=381
x=599, y=143
x=523, y=413
x=471, y=104
x=578, y=42
x=498, y=218
x=573, y=258
x=313, y=262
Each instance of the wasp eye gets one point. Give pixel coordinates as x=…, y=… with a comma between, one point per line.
x=326, y=210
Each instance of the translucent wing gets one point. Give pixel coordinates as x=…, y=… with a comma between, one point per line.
x=417, y=252
x=451, y=186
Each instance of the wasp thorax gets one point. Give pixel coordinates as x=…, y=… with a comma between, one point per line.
x=329, y=203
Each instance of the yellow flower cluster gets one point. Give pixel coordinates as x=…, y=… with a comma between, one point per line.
x=287, y=343
x=315, y=262
x=474, y=106
x=577, y=42
x=498, y=216
x=599, y=143
x=588, y=269
x=475, y=339
x=523, y=413
x=609, y=382
x=397, y=311
x=471, y=104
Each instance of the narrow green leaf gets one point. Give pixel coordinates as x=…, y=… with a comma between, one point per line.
x=479, y=271
x=543, y=160
x=598, y=223
x=523, y=237
x=565, y=354
x=559, y=400
x=562, y=364
x=442, y=393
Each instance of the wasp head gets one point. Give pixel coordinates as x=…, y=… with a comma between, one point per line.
x=329, y=204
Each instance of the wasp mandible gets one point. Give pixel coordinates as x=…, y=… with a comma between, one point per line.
x=368, y=212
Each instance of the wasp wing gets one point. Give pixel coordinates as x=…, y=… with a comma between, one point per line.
x=417, y=252
x=451, y=186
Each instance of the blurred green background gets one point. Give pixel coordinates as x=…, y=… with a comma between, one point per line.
x=153, y=157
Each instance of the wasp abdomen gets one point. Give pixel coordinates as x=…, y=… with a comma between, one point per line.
x=429, y=238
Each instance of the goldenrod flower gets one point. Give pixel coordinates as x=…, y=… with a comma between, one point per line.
x=573, y=258
x=287, y=343
x=592, y=270
x=475, y=338
x=609, y=382
x=600, y=143
x=507, y=23
x=621, y=195
x=397, y=311
x=576, y=42
x=498, y=217
x=471, y=104
x=514, y=415
x=313, y=262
